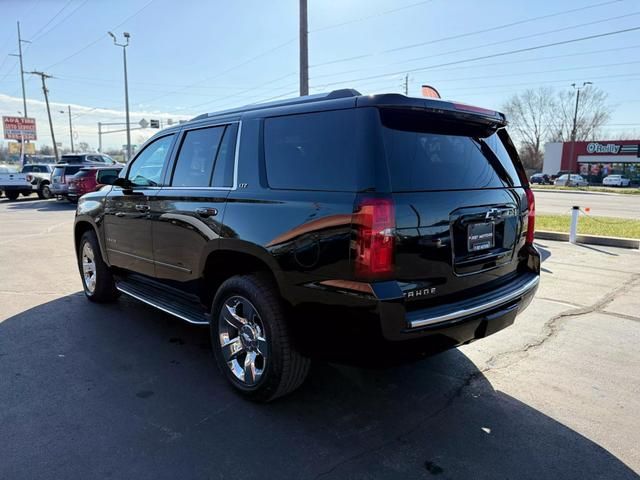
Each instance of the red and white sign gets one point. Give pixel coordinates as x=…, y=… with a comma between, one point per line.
x=19, y=128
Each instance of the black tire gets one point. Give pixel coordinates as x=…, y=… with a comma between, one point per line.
x=44, y=192
x=284, y=369
x=12, y=195
x=104, y=290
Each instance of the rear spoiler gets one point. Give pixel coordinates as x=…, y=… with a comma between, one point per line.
x=462, y=111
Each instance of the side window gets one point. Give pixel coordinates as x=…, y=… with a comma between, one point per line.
x=197, y=157
x=106, y=176
x=223, y=171
x=146, y=169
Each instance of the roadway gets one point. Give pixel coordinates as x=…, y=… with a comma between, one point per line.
x=601, y=204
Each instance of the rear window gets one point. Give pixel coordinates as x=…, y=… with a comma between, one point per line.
x=58, y=171
x=72, y=158
x=426, y=152
x=35, y=169
x=319, y=151
x=71, y=171
x=84, y=173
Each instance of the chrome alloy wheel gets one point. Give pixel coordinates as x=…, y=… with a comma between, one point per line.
x=242, y=340
x=88, y=267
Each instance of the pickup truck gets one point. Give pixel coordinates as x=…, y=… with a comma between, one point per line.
x=12, y=184
x=39, y=176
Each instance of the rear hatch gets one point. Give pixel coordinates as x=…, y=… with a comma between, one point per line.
x=460, y=205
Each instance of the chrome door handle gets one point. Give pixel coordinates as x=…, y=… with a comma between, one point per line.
x=205, y=212
x=142, y=208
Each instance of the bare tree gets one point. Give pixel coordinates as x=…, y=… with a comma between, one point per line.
x=593, y=113
x=529, y=114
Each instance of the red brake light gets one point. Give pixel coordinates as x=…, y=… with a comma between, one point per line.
x=471, y=108
x=531, y=218
x=374, y=220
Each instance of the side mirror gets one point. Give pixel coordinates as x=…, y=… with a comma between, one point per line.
x=118, y=182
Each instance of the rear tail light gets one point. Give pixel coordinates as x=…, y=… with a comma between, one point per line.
x=374, y=220
x=531, y=217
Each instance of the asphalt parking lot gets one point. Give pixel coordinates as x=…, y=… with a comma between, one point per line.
x=601, y=204
x=124, y=391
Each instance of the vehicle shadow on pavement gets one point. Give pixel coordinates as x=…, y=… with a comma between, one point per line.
x=124, y=391
x=37, y=204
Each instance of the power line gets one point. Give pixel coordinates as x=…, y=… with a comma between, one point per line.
x=368, y=17
x=492, y=55
x=37, y=37
x=52, y=18
x=524, y=37
x=91, y=44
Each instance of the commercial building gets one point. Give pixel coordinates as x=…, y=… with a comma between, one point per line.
x=594, y=160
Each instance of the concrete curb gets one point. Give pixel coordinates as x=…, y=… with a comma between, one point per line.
x=590, y=239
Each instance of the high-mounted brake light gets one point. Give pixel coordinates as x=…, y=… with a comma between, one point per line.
x=374, y=220
x=531, y=217
x=470, y=108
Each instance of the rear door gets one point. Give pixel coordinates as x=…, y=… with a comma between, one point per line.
x=127, y=219
x=459, y=205
x=187, y=213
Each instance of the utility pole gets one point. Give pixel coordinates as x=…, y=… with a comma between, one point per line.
x=100, y=137
x=304, y=50
x=70, y=127
x=575, y=123
x=126, y=86
x=44, y=76
x=22, y=72
x=406, y=84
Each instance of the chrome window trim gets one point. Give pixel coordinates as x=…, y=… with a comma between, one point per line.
x=465, y=312
x=235, y=160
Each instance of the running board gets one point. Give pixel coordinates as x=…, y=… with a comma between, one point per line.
x=166, y=299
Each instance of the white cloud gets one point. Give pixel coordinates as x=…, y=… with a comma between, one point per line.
x=85, y=121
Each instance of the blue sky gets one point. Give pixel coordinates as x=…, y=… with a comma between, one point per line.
x=190, y=57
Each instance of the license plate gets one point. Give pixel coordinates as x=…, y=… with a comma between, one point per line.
x=480, y=236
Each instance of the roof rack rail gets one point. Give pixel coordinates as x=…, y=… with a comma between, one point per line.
x=318, y=97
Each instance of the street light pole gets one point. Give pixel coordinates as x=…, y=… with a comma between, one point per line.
x=126, y=85
x=575, y=123
x=304, y=50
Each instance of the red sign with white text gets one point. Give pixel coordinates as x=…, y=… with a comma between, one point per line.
x=19, y=128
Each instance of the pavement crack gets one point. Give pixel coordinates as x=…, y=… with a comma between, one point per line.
x=550, y=328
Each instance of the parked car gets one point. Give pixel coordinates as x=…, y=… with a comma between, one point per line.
x=87, y=158
x=13, y=183
x=571, y=180
x=39, y=176
x=540, y=178
x=358, y=228
x=616, y=181
x=89, y=179
x=61, y=174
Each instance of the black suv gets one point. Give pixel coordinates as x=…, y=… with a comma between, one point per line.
x=355, y=228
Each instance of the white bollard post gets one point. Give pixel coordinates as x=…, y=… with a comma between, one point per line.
x=573, y=230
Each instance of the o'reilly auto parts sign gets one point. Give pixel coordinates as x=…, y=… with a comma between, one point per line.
x=612, y=148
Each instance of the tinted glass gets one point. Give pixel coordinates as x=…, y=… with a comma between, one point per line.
x=197, y=156
x=318, y=151
x=68, y=171
x=107, y=176
x=84, y=173
x=223, y=171
x=35, y=169
x=58, y=171
x=146, y=169
x=424, y=153
x=72, y=158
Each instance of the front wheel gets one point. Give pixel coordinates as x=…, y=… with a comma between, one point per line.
x=97, y=280
x=44, y=192
x=251, y=339
x=12, y=195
